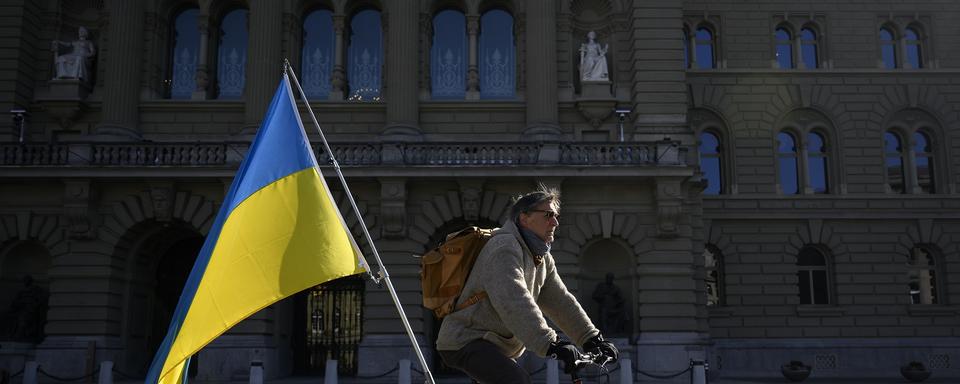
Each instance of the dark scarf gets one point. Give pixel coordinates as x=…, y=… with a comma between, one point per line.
x=537, y=246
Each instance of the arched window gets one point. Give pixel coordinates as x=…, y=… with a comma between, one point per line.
x=448, y=55
x=317, y=54
x=817, y=163
x=914, y=53
x=710, y=162
x=497, y=64
x=713, y=266
x=812, y=277
x=922, y=277
x=809, y=48
x=706, y=57
x=184, y=53
x=232, y=55
x=787, y=163
x=784, y=52
x=365, y=56
x=923, y=161
x=888, y=48
x=894, y=162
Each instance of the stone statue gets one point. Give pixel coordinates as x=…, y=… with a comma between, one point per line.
x=611, y=314
x=25, y=318
x=73, y=63
x=593, y=60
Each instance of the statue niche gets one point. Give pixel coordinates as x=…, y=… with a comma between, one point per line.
x=24, y=319
x=73, y=59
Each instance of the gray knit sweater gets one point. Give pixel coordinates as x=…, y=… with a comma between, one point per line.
x=520, y=294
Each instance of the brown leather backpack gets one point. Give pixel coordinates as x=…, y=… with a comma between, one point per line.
x=444, y=270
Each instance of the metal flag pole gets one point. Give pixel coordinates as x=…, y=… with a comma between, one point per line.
x=383, y=270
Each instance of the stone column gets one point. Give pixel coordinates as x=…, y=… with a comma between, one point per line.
x=121, y=96
x=264, y=62
x=541, y=79
x=338, y=82
x=473, y=72
x=401, y=91
x=203, y=74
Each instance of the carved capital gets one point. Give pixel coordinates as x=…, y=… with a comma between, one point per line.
x=473, y=25
x=470, y=193
x=76, y=209
x=393, y=207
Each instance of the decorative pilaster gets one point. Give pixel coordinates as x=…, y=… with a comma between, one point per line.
x=203, y=74
x=121, y=98
x=541, y=27
x=76, y=209
x=264, y=66
x=393, y=207
x=669, y=202
x=659, y=84
x=426, y=34
x=473, y=72
x=402, y=69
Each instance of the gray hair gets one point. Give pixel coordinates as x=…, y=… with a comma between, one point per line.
x=529, y=201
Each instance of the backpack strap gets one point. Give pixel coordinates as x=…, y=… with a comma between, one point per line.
x=472, y=300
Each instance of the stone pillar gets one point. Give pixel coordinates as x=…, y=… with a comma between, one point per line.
x=121, y=98
x=264, y=62
x=473, y=72
x=541, y=79
x=203, y=74
x=659, y=80
x=338, y=82
x=401, y=91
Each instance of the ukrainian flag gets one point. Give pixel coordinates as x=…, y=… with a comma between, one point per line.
x=277, y=233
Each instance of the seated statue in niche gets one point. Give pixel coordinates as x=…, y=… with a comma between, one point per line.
x=611, y=314
x=72, y=59
x=593, y=60
x=25, y=318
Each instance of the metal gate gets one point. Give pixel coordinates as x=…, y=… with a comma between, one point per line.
x=334, y=324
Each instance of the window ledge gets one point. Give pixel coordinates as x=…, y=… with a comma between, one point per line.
x=932, y=310
x=819, y=311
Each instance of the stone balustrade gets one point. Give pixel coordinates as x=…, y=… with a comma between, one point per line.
x=349, y=154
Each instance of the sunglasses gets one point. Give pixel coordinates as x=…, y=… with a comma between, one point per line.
x=547, y=214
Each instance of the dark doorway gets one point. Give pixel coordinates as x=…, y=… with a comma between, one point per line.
x=172, y=272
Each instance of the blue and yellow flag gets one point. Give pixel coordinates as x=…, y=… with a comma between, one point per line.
x=277, y=233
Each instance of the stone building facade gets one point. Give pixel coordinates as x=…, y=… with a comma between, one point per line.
x=767, y=181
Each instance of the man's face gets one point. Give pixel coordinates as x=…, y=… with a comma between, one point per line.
x=542, y=220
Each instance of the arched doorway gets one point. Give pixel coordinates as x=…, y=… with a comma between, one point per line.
x=606, y=286
x=161, y=263
x=24, y=291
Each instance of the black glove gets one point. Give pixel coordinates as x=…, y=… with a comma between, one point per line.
x=598, y=345
x=566, y=352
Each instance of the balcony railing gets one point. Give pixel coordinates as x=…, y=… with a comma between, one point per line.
x=171, y=154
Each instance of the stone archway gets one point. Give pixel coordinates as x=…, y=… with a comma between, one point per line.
x=24, y=291
x=609, y=303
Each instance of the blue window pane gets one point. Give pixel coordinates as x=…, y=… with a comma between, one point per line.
x=709, y=143
x=911, y=35
x=817, y=162
x=710, y=166
x=232, y=57
x=705, y=57
x=924, y=165
x=889, y=57
x=788, y=175
x=785, y=55
x=317, y=54
x=808, y=47
x=786, y=143
x=922, y=145
x=365, y=56
x=885, y=35
x=913, y=56
x=894, y=162
x=448, y=56
x=186, y=43
x=783, y=34
x=497, y=66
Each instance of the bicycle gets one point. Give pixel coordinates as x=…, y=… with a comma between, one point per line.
x=587, y=359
